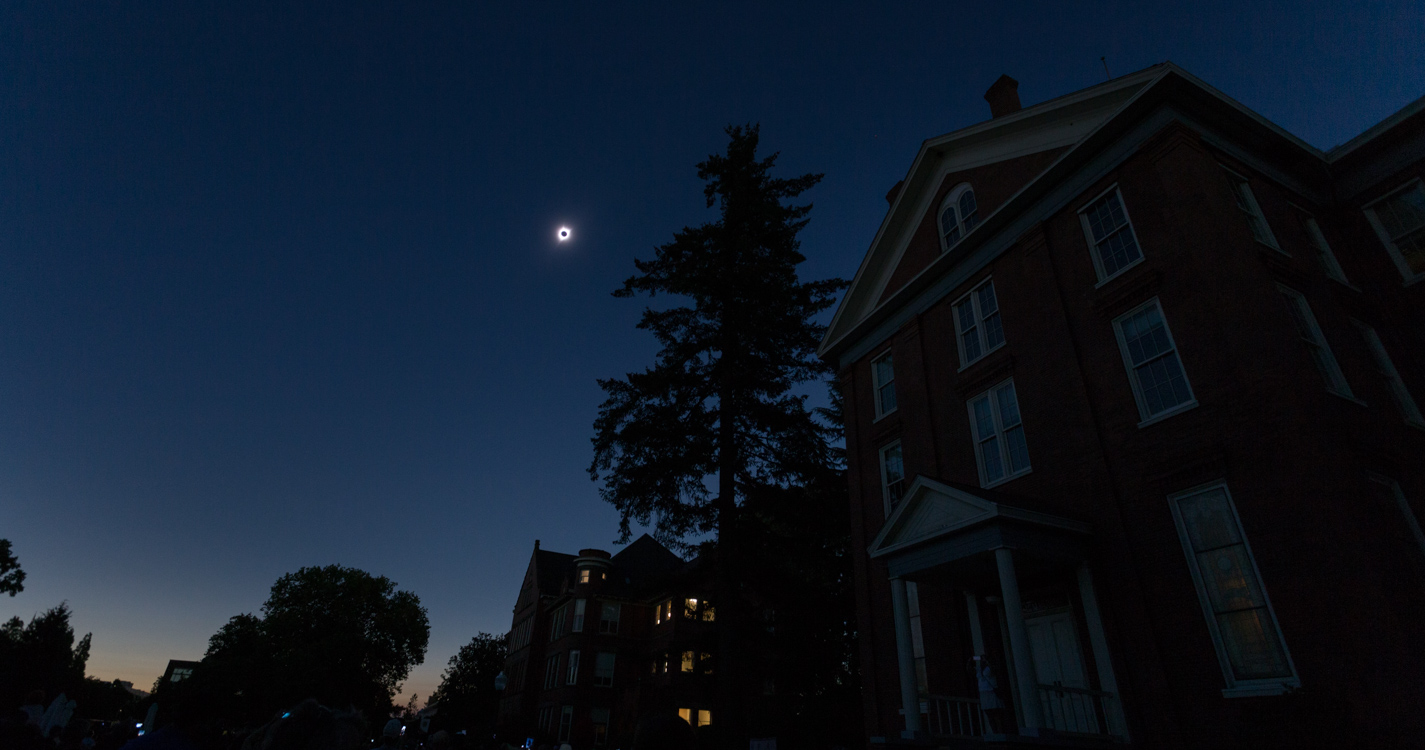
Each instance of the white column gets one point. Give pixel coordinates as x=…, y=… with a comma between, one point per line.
x=905, y=659
x=977, y=638
x=1018, y=638
x=1117, y=725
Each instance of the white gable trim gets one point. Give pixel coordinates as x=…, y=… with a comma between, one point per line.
x=931, y=510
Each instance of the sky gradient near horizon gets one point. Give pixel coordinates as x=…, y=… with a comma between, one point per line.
x=280, y=287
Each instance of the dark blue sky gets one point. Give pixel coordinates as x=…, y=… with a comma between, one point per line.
x=279, y=288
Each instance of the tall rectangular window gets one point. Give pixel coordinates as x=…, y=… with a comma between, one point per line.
x=917, y=636
x=1322, y=248
x=579, y=606
x=892, y=475
x=1310, y=334
x=573, y=667
x=883, y=380
x=566, y=722
x=551, y=672
x=1401, y=523
x=1112, y=243
x=1247, y=204
x=1399, y=221
x=1159, y=384
x=556, y=626
x=1000, y=447
x=689, y=660
x=1244, y=629
x=1403, y=400
x=608, y=618
x=977, y=323
x=600, y=718
x=604, y=669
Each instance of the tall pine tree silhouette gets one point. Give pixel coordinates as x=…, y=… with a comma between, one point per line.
x=720, y=415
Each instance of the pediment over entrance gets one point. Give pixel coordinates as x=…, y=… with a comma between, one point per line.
x=931, y=509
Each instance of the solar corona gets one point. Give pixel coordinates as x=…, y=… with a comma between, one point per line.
x=563, y=233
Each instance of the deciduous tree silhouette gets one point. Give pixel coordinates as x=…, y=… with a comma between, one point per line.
x=721, y=407
x=467, y=698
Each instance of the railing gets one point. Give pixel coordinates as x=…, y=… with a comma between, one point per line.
x=950, y=716
x=1073, y=710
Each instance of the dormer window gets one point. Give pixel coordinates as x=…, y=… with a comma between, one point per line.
x=958, y=215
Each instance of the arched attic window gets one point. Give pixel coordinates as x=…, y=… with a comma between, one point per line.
x=957, y=215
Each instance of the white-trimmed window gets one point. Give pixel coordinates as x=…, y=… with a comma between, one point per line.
x=883, y=381
x=1322, y=248
x=1310, y=335
x=1247, y=204
x=566, y=722
x=1113, y=244
x=958, y=215
x=892, y=475
x=1244, y=629
x=551, y=672
x=1399, y=220
x=977, y=323
x=1408, y=408
x=579, y=606
x=604, y=669
x=1000, y=447
x=573, y=667
x=608, y=618
x=1159, y=384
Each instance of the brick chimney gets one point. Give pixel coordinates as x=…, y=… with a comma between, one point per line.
x=1003, y=97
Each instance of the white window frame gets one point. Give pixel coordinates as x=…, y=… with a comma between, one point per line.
x=974, y=297
x=579, y=608
x=1324, y=254
x=1094, y=255
x=551, y=672
x=1409, y=410
x=1334, y=377
x=992, y=393
x=1409, y=276
x=1138, y=397
x=1234, y=688
x=566, y=723
x=1403, y=505
x=573, y=668
x=601, y=679
x=876, y=384
x=1253, y=210
x=952, y=200
x=885, y=484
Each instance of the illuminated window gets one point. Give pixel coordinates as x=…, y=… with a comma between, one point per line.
x=1247, y=204
x=604, y=669
x=1239, y=616
x=1113, y=245
x=584, y=575
x=892, y=475
x=608, y=618
x=573, y=667
x=958, y=215
x=883, y=381
x=689, y=660
x=690, y=608
x=1000, y=445
x=579, y=606
x=705, y=662
x=1399, y=221
x=663, y=612
x=977, y=323
x=707, y=613
x=695, y=716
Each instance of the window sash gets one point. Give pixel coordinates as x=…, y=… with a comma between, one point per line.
x=1324, y=254
x=977, y=322
x=883, y=381
x=1386, y=367
x=1155, y=371
x=1399, y=221
x=551, y=672
x=1246, y=202
x=604, y=669
x=1113, y=243
x=573, y=667
x=1310, y=334
x=566, y=722
x=892, y=475
x=579, y=605
x=1239, y=615
x=958, y=215
x=608, y=618
x=1001, y=451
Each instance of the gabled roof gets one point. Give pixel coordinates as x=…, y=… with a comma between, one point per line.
x=1085, y=121
x=930, y=510
x=553, y=569
x=646, y=561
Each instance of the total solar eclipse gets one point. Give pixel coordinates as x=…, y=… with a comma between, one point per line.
x=563, y=233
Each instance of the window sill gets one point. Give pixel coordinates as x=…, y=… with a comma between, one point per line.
x=980, y=358
x=883, y=416
x=1120, y=271
x=1005, y=480
x=1348, y=397
x=1176, y=410
x=1414, y=280
x=1261, y=690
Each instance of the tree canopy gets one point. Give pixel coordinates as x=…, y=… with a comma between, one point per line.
x=467, y=698
x=12, y=578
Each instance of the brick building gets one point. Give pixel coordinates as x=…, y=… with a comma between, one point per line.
x=1132, y=383
x=598, y=640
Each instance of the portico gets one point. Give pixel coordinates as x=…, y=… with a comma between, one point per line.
x=1020, y=576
